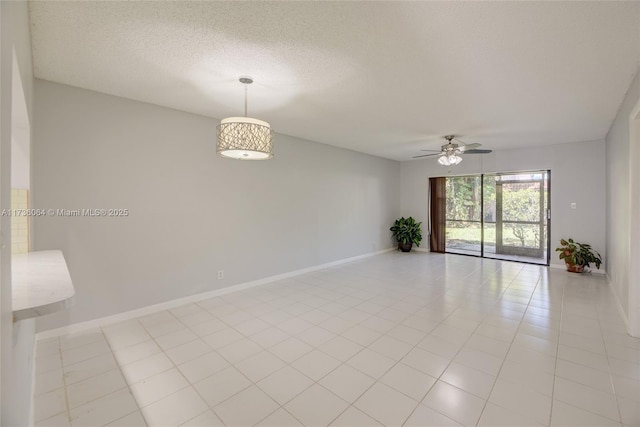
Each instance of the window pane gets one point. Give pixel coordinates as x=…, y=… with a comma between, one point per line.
x=463, y=227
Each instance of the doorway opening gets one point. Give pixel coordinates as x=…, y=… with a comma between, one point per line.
x=500, y=215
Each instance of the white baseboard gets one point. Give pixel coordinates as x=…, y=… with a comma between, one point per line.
x=32, y=406
x=564, y=267
x=623, y=315
x=144, y=311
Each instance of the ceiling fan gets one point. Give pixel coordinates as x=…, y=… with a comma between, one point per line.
x=450, y=152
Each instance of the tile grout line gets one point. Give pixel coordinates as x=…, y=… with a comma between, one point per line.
x=555, y=365
x=486, y=401
x=342, y=363
x=613, y=385
x=174, y=366
x=510, y=344
x=354, y=290
x=188, y=327
x=452, y=361
x=128, y=387
x=609, y=372
x=317, y=382
x=64, y=384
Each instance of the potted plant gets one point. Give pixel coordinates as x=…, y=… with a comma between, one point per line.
x=577, y=256
x=407, y=232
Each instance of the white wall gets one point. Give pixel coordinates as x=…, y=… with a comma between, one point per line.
x=618, y=198
x=192, y=212
x=21, y=158
x=16, y=87
x=577, y=175
x=6, y=65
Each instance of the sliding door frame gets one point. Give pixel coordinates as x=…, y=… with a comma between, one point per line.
x=545, y=213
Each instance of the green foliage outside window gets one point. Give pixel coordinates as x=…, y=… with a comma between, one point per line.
x=520, y=202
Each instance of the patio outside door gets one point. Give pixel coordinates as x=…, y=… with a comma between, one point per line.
x=501, y=216
x=516, y=220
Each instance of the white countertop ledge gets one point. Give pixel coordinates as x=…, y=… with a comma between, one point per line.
x=41, y=284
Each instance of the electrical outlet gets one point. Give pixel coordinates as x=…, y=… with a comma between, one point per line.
x=220, y=274
x=573, y=205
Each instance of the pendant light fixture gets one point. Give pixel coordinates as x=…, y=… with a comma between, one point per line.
x=244, y=138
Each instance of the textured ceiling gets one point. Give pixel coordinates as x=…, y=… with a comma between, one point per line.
x=385, y=78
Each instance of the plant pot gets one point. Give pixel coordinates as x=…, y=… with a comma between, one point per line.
x=574, y=268
x=405, y=247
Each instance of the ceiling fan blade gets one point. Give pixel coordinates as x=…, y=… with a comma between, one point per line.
x=476, y=151
x=466, y=148
x=427, y=155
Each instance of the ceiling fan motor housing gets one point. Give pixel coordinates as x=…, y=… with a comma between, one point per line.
x=450, y=148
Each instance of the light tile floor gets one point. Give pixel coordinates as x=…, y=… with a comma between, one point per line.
x=398, y=339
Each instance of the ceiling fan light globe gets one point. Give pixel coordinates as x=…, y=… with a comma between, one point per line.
x=444, y=161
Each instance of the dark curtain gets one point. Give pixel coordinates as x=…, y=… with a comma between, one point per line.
x=438, y=214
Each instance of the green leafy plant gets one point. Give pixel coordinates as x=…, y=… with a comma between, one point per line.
x=578, y=254
x=407, y=230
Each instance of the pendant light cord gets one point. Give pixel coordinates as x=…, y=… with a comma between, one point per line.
x=246, y=81
x=246, y=90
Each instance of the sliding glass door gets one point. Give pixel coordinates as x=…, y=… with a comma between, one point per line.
x=464, y=215
x=516, y=216
x=501, y=215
